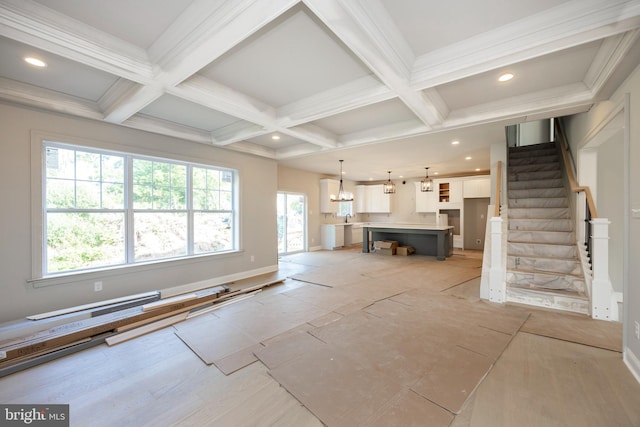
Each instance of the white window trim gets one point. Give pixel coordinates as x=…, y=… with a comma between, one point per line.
x=38, y=279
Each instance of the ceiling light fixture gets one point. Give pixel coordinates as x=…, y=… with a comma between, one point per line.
x=275, y=137
x=342, y=195
x=505, y=77
x=426, y=184
x=389, y=187
x=35, y=62
x=468, y=158
x=455, y=142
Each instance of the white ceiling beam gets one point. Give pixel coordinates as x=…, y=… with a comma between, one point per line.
x=33, y=24
x=236, y=132
x=163, y=127
x=350, y=21
x=255, y=149
x=350, y=96
x=224, y=99
x=297, y=151
x=384, y=133
x=124, y=99
x=565, y=26
x=546, y=101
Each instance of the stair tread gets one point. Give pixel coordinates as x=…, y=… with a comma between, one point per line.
x=546, y=244
x=545, y=258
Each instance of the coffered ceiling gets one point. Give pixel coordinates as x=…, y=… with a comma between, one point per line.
x=383, y=84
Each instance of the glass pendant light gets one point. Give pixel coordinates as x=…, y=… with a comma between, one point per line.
x=389, y=187
x=426, y=184
x=342, y=195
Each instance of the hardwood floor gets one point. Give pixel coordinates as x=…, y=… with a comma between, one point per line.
x=156, y=380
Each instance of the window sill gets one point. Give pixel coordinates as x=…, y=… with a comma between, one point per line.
x=101, y=273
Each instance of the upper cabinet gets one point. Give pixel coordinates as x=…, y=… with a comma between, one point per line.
x=327, y=188
x=449, y=193
x=426, y=201
x=475, y=188
x=371, y=199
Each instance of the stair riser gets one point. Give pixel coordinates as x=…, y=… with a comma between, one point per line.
x=574, y=305
x=538, y=183
x=541, y=224
x=534, y=175
x=540, y=202
x=539, y=213
x=533, y=153
x=544, y=265
x=532, y=160
x=551, y=166
x=537, y=193
x=545, y=281
x=544, y=237
x=541, y=250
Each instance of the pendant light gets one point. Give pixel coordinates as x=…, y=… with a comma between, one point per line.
x=389, y=187
x=426, y=184
x=342, y=195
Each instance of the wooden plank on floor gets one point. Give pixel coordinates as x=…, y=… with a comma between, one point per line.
x=148, y=328
x=91, y=305
x=168, y=301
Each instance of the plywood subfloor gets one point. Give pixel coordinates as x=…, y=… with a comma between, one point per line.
x=156, y=380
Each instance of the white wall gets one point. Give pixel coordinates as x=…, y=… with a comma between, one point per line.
x=584, y=128
x=18, y=297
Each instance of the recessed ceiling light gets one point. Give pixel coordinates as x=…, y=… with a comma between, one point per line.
x=275, y=137
x=505, y=77
x=35, y=61
x=436, y=173
x=455, y=142
x=468, y=158
x=477, y=169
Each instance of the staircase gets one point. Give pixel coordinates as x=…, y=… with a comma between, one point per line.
x=543, y=266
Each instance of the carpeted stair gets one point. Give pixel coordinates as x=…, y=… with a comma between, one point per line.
x=543, y=267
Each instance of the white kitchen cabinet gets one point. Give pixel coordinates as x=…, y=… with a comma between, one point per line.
x=332, y=236
x=356, y=234
x=449, y=194
x=475, y=188
x=328, y=187
x=371, y=199
x=426, y=201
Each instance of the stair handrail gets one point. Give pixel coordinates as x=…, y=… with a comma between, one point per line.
x=590, y=208
x=498, y=188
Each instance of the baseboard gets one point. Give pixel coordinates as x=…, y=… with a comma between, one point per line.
x=315, y=248
x=632, y=362
x=216, y=281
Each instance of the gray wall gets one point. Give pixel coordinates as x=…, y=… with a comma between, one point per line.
x=475, y=222
x=18, y=297
x=581, y=130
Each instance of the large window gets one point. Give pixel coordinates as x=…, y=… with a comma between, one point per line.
x=104, y=209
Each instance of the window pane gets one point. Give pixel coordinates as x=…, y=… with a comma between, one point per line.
x=87, y=195
x=227, y=180
x=199, y=199
x=161, y=198
x=142, y=197
x=212, y=232
x=60, y=194
x=199, y=179
x=160, y=235
x=82, y=240
x=178, y=198
x=161, y=175
x=87, y=166
x=226, y=201
x=60, y=163
x=213, y=179
x=113, y=196
x=178, y=176
x=112, y=168
x=142, y=171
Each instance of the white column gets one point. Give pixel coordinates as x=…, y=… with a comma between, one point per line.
x=497, y=284
x=604, y=304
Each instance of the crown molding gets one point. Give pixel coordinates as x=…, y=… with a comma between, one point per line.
x=13, y=91
x=609, y=56
x=388, y=133
x=152, y=124
x=299, y=150
x=256, y=150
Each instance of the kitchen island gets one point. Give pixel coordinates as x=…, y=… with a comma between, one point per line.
x=426, y=239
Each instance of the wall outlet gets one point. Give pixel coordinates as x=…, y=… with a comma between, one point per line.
x=478, y=242
x=637, y=331
x=97, y=286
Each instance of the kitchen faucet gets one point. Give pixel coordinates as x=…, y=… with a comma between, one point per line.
x=346, y=218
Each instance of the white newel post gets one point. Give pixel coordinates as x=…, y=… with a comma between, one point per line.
x=604, y=305
x=497, y=285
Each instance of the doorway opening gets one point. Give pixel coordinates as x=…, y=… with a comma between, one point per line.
x=292, y=223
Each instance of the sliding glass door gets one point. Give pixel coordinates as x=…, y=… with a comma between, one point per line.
x=292, y=223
